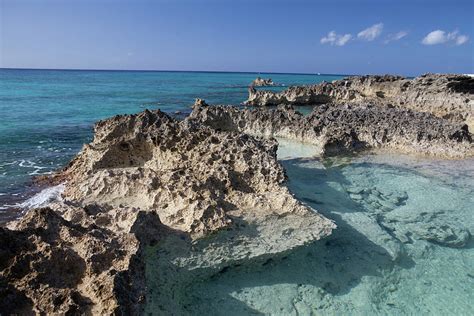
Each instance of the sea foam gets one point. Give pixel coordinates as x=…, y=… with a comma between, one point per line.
x=43, y=198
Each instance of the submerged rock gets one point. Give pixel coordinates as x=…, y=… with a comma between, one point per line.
x=435, y=227
x=180, y=198
x=445, y=96
x=338, y=128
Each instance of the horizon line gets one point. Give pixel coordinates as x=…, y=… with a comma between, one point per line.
x=166, y=70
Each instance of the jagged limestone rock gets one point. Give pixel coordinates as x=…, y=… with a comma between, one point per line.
x=340, y=128
x=180, y=198
x=446, y=96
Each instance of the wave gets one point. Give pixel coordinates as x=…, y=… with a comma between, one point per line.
x=44, y=197
x=40, y=199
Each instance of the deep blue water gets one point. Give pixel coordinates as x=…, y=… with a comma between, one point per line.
x=46, y=115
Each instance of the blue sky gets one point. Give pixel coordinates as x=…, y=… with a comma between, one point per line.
x=349, y=37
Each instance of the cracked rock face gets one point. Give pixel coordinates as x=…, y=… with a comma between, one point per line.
x=445, y=96
x=338, y=128
x=142, y=194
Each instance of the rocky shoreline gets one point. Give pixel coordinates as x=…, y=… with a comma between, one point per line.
x=145, y=179
x=445, y=96
x=339, y=129
x=154, y=204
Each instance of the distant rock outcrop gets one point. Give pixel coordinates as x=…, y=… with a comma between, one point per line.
x=262, y=82
x=445, y=96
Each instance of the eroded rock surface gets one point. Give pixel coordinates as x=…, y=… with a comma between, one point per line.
x=338, y=128
x=192, y=176
x=445, y=96
x=149, y=193
x=53, y=265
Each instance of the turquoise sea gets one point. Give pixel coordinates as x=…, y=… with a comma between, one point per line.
x=404, y=242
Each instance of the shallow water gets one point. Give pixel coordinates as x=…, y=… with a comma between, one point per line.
x=402, y=245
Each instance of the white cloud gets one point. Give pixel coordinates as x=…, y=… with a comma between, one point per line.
x=371, y=33
x=441, y=37
x=395, y=37
x=435, y=37
x=336, y=39
x=461, y=39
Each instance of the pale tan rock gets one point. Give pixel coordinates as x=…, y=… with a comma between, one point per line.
x=192, y=176
x=262, y=82
x=445, y=96
x=335, y=129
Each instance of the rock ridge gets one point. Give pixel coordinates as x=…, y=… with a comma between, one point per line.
x=335, y=129
x=446, y=96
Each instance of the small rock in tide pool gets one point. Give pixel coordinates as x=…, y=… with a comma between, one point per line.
x=387, y=204
x=445, y=235
x=356, y=197
x=355, y=190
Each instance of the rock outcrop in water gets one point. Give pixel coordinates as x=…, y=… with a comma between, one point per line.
x=149, y=186
x=445, y=96
x=339, y=128
x=262, y=82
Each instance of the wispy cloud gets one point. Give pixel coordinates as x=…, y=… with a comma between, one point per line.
x=442, y=37
x=371, y=33
x=336, y=39
x=395, y=37
x=461, y=39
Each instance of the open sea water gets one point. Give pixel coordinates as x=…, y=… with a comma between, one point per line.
x=404, y=242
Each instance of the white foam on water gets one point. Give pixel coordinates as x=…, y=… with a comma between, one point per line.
x=43, y=198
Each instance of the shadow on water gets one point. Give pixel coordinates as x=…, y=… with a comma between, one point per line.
x=334, y=265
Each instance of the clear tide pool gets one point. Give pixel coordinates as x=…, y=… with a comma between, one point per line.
x=402, y=246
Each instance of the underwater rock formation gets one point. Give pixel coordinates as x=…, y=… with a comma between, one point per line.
x=338, y=128
x=445, y=96
x=149, y=186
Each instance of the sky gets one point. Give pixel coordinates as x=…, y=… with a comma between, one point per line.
x=406, y=37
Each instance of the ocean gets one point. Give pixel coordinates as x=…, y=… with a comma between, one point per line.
x=403, y=243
